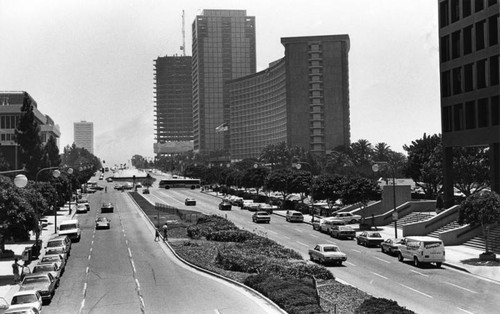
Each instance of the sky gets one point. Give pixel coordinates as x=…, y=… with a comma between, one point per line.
x=92, y=60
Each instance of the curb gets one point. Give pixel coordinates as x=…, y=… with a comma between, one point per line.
x=255, y=292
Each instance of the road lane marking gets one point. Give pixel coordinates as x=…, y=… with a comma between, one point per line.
x=314, y=236
x=419, y=273
x=271, y=231
x=331, y=242
x=137, y=284
x=216, y=311
x=429, y=296
x=299, y=230
x=84, y=289
x=379, y=275
x=349, y=263
x=129, y=253
x=357, y=251
x=302, y=243
x=133, y=265
x=464, y=310
x=87, y=270
x=383, y=260
x=461, y=287
x=81, y=306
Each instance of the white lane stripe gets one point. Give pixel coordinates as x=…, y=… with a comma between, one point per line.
x=314, y=236
x=302, y=243
x=330, y=242
x=89, y=257
x=271, y=231
x=137, y=284
x=379, y=275
x=216, y=311
x=87, y=270
x=357, y=251
x=383, y=260
x=133, y=265
x=82, y=305
x=348, y=263
x=129, y=253
x=429, y=296
x=285, y=237
x=464, y=310
x=84, y=288
x=90, y=250
x=419, y=273
x=299, y=230
x=461, y=287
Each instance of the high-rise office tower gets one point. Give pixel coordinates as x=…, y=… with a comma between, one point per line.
x=84, y=135
x=223, y=49
x=173, y=105
x=469, y=40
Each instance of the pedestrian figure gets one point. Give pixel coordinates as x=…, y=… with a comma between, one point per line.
x=15, y=270
x=157, y=235
x=165, y=231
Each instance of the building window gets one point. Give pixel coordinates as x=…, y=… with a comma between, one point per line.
x=495, y=110
x=444, y=15
x=479, y=5
x=447, y=119
x=455, y=44
x=481, y=73
x=468, y=40
x=445, y=48
x=480, y=35
x=493, y=30
x=470, y=115
x=457, y=81
x=446, y=84
x=494, y=71
x=458, y=117
x=468, y=77
x=482, y=112
x=466, y=8
x=455, y=10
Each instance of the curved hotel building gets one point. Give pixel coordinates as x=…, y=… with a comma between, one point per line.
x=301, y=99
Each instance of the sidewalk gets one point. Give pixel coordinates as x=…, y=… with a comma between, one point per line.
x=7, y=286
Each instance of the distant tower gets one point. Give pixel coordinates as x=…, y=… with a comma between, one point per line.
x=84, y=135
x=223, y=49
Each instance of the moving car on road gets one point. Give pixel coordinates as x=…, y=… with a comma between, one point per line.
x=44, y=283
x=370, y=238
x=343, y=232
x=102, y=223
x=292, y=215
x=224, y=205
x=190, y=202
x=422, y=250
x=261, y=216
x=327, y=253
x=391, y=246
x=81, y=209
x=107, y=208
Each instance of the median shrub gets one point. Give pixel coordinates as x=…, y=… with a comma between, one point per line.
x=291, y=294
x=230, y=236
x=296, y=269
x=209, y=224
x=381, y=306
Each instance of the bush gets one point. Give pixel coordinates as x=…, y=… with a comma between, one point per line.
x=381, y=306
x=296, y=269
x=291, y=294
x=230, y=236
x=209, y=224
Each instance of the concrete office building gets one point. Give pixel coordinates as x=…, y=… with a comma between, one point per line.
x=11, y=104
x=470, y=84
x=223, y=49
x=173, y=105
x=84, y=135
x=302, y=99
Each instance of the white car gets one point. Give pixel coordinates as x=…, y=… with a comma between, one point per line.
x=325, y=224
x=81, y=209
x=327, y=253
x=347, y=217
x=26, y=298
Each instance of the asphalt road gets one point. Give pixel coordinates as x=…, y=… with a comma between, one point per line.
x=122, y=270
x=423, y=290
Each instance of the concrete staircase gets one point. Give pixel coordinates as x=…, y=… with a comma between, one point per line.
x=494, y=241
x=451, y=225
x=414, y=217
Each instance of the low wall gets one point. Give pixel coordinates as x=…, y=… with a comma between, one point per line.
x=427, y=226
x=459, y=235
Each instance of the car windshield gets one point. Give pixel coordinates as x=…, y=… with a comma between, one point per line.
x=67, y=227
x=55, y=250
x=22, y=299
x=50, y=259
x=331, y=249
x=43, y=268
x=54, y=243
x=375, y=235
x=30, y=280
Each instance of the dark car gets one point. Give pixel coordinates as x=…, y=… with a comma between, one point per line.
x=391, y=246
x=370, y=238
x=343, y=232
x=225, y=205
x=145, y=191
x=102, y=223
x=190, y=202
x=107, y=208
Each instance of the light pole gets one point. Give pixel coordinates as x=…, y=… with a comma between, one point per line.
x=377, y=167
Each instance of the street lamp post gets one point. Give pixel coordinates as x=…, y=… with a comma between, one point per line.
x=377, y=167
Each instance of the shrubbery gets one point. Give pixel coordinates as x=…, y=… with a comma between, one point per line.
x=381, y=306
x=209, y=224
x=230, y=236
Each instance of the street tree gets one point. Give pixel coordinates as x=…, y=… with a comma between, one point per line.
x=328, y=187
x=471, y=169
x=281, y=181
x=255, y=177
x=51, y=158
x=482, y=209
x=277, y=155
x=301, y=184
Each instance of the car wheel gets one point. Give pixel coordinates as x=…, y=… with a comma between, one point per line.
x=339, y=263
x=353, y=221
x=311, y=258
x=400, y=257
x=383, y=250
x=357, y=240
x=415, y=262
x=438, y=264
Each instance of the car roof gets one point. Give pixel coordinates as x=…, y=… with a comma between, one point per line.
x=423, y=238
x=68, y=222
x=24, y=292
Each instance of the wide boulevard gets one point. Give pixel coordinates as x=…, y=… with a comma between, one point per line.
x=123, y=270
x=423, y=290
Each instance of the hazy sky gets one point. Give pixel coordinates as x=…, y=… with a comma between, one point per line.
x=92, y=60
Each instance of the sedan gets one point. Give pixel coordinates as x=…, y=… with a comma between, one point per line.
x=102, y=223
x=391, y=246
x=42, y=268
x=261, y=216
x=370, y=238
x=225, y=205
x=190, y=202
x=107, y=208
x=81, y=209
x=327, y=253
x=45, y=283
x=54, y=258
x=27, y=298
x=58, y=250
x=343, y=232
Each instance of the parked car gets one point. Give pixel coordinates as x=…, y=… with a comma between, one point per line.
x=315, y=221
x=391, y=246
x=292, y=215
x=54, y=258
x=127, y=185
x=58, y=250
x=70, y=228
x=245, y=203
x=235, y=200
x=422, y=250
x=266, y=207
x=81, y=209
x=45, y=283
x=261, y=216
x=84, y=201
x=326, y=224
x=224, y=205
x=347, y=217
x=107, y=208
x=190, y=202
x=102, y=223
x=253, y=207
x=42, y=268
x=27, y=309
x=343, y=232
x=25, y=299
x=145, y=191
x=327, y=253
x=370, y=238
x=109, y=179
x=63, y=241
x=117, y=186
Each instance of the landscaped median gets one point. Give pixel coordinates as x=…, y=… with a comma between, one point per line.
x=279, y=273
